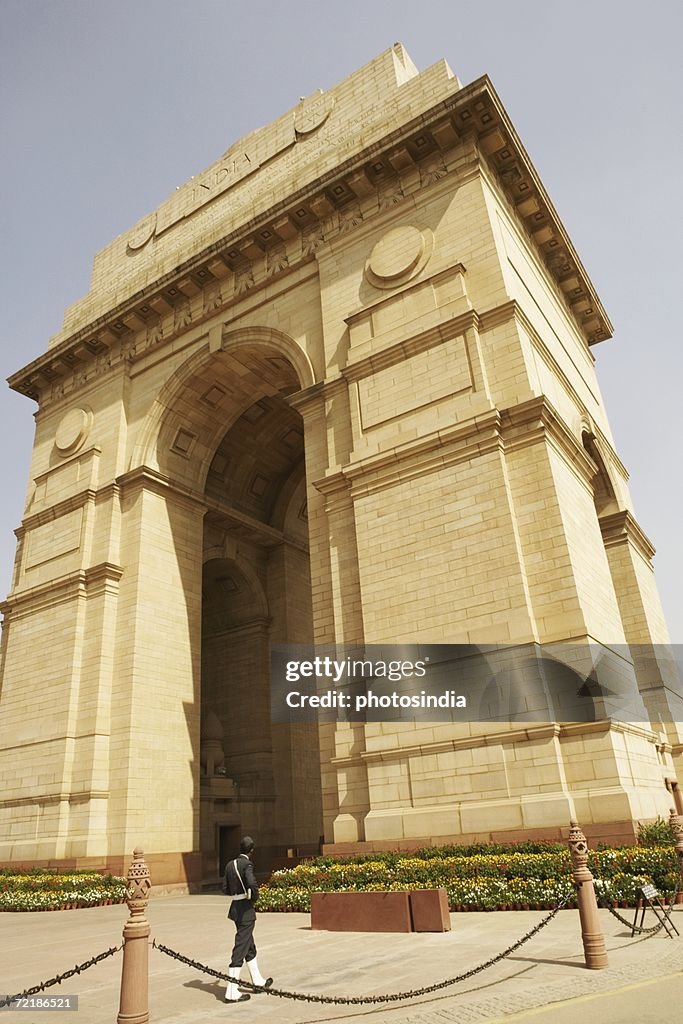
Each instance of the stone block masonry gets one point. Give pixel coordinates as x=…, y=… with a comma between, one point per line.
x=340, y=387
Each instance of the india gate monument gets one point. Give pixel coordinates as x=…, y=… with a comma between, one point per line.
x=339, y=388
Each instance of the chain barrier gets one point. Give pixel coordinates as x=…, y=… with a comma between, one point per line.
x=630, y=924
x=59, y=978
x=393, y=997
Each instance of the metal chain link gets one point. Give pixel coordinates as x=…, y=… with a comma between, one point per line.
x=634, y=927
x=59, y=978
x=393, y=997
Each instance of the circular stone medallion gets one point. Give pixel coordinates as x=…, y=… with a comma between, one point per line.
x=312, y=112
x=72, y=430
x=397, y=254
x=142, y=232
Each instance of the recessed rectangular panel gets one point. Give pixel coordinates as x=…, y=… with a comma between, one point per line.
x=51, y=540
x=425, y=378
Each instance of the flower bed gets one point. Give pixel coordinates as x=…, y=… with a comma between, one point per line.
x=506, y=879
x=50, y=890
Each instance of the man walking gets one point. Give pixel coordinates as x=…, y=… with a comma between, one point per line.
x=240, y=884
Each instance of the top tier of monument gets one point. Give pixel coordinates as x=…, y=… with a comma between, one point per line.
x=269, y=175
x=264, y=166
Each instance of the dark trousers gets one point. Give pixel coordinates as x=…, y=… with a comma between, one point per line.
x=244, y=917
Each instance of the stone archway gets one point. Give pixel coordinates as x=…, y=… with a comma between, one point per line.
x=225, y=439
x=428, y=281
x=222, y=378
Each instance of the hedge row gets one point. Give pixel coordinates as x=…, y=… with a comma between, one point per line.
x=449, y=850
x=481, y=881
x=48, y=890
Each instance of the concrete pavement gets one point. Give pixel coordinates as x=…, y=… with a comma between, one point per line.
x=644, y=976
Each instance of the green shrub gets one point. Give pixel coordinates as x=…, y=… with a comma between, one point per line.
x=437, y=852
x=507, y=876
x=41, y=889
x=656, y=833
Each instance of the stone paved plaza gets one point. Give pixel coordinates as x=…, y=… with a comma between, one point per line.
x=643, y=982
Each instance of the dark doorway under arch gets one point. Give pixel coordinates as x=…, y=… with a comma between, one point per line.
x=256, y=591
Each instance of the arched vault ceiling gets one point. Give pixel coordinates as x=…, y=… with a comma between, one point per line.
x=260, y=453
x=208, y=395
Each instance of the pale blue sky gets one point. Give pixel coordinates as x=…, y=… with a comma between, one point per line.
x=106, y=107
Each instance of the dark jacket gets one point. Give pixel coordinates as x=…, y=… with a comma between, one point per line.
x=233, y=885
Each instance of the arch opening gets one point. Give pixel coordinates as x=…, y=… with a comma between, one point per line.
x=603, y=491
x=230, y=437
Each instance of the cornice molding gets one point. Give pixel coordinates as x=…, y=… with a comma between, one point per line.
x=336, y=202
x=528, y=735
x=573, y=729
x=145, y=478
x=547, y=730
x=506, y=430
x=336, y=489
x=622, y=528
x=312, y=396
x=459, y=443
x=60, y=797
x=61, y=508
x=197, y=503
x=537, y=419
x=520, y=181
x=411, y=346
x=83, y=583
